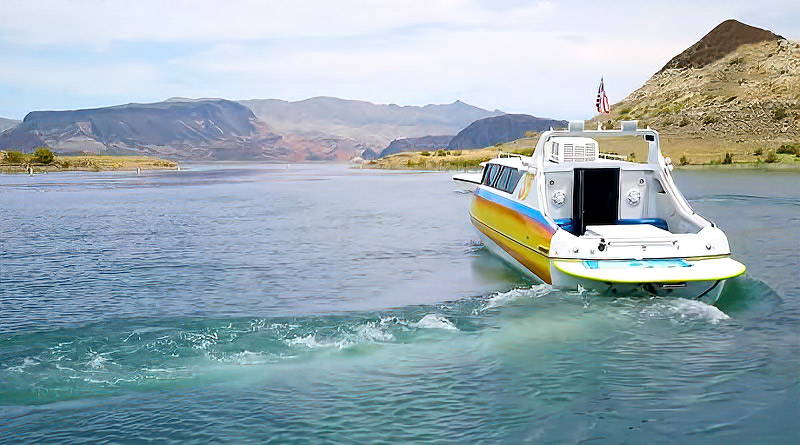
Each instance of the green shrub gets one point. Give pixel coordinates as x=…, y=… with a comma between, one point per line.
x=789, y=149
x=758, y=152
x=728, y=159
x=43, y=155
x=425, y=153
x=441, y=153
x=456, y=153
x=684, y=160
x=779, y=113
x=709, y=119
x=771, y=157
x=15, y=157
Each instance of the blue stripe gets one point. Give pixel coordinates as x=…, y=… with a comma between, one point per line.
x=516, y=206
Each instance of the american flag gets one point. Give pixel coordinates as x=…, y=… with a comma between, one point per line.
x=602, y=99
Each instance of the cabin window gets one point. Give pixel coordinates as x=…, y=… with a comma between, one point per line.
x=502, y=179
x=513, y=180
x=490, y=174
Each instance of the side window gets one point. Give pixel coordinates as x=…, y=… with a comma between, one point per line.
x=513, y=180
x=490, y=174
x=485, y=176
x=502, y=180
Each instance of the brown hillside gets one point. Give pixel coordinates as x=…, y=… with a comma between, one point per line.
x=745, y=100
x=723, y=39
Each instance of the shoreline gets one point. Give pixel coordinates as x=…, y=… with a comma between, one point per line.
x=92, y=163
x=779, y=166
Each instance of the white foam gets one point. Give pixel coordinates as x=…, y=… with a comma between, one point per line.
x=98, y=361
x=250, y=358
x=689, y=309
x=435, y=321
x=370, y=332
x=21, y=367
x=503, y=298
x=310, y=341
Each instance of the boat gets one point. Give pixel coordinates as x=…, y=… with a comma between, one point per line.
x=575, y=217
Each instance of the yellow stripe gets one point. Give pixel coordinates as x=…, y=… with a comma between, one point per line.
x=633, y=281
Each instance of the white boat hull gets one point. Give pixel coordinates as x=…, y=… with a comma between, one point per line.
x=707, y=291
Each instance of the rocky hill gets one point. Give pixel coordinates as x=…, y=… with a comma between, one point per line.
x=738, y=84
x=5, y=124
x=372, y=125
x=499, y=129
x=200, y=129
x=719, y=42
x=423, y=143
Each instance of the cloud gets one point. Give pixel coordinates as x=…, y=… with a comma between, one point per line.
x=99, y=22
x=539, y=57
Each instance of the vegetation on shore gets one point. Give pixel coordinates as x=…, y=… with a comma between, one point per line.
x=689, y=152
x=44, y=160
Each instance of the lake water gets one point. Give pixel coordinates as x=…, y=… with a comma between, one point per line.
x=318, y=303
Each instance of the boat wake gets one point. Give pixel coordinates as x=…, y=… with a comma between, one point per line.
x=119, y=356
x=683, y=309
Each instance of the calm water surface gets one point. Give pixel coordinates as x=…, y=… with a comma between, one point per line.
x=246, y=303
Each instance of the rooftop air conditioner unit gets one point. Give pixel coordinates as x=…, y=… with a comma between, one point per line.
x=573, y=149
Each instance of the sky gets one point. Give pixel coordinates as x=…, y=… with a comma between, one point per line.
x=538, y=57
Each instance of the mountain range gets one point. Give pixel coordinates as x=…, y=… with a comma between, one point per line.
x=373, y=125
x=738, y=83
x=322, y=128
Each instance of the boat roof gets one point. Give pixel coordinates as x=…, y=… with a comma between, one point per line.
x=573, y=133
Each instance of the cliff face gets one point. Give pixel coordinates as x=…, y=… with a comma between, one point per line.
x=201, y=129
x=372, y=125
x=749, y=93
x=423, y=143
x=499, y=129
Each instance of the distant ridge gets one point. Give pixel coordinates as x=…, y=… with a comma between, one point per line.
x=416, y=144
x=5, y=123
x=498, y=129
x=372, y=125
x=719, y=42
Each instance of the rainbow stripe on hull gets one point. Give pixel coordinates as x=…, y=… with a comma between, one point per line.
x=521, y=231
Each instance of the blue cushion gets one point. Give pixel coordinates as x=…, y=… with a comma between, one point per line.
x=568, y=225
x=565, y=223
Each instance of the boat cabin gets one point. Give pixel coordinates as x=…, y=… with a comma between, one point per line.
x=581, y=183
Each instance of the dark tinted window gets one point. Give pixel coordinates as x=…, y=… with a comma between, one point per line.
x=490, y=174
x=513, y=180
x=502, y=179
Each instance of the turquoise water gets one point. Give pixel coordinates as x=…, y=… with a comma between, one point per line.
x=247, y=303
